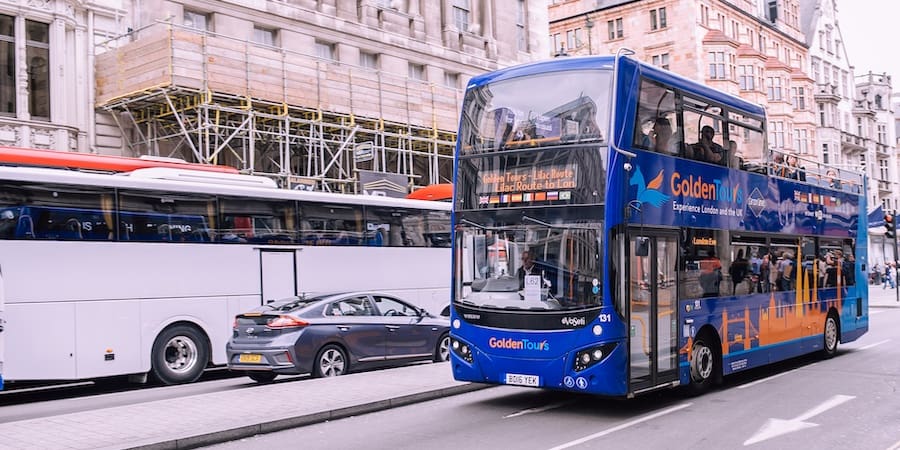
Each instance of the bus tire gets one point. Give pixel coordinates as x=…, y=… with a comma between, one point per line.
x=179, y=355
x=831, y=335
x=706, y=364
x=442, y=349
x=331, y=361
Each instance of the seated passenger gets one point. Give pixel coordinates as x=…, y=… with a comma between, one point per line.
x=831, y=179
x=7, y=224
x=707, y=150
x=662, y=137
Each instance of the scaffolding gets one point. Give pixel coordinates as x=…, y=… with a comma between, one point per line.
x=305, y=121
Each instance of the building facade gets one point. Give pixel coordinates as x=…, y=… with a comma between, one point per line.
x=312, y=92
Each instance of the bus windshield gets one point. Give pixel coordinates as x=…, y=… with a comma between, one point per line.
x=539, y=110
x=532, y=264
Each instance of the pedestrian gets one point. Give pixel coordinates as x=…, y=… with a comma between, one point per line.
x=889, y=273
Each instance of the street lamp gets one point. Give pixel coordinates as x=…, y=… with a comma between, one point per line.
x=588, y=25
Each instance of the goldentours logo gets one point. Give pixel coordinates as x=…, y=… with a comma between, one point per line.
x=648, y=192
x=518, y=344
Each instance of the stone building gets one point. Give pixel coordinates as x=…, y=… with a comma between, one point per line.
x=312, y=92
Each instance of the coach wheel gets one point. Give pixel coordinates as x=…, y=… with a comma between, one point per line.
x=262, y=377
x=179, y=355
x=330, y=362
x=831, y=336
x=442, y=352
x=705, y=364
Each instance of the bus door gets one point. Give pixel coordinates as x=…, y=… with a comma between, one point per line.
x=652, y=309
x=278, y=272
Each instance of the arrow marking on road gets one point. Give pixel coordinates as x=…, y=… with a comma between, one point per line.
x=777, y=427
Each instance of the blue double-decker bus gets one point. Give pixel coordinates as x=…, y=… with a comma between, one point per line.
x=619, y=229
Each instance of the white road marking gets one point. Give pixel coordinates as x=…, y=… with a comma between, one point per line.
x=539, y=409
x=754, y=383
x=875, y=344
x=877, y=311
x=777, y=427
x=621, y=427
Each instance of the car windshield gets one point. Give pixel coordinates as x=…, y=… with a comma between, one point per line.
x=533, y=265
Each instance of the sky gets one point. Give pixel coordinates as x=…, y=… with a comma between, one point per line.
x=871, y=36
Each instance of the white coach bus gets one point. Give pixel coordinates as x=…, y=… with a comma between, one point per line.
x=142, y=273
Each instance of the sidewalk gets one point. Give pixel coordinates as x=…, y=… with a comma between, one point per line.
x=882, y=298
x=233, y=414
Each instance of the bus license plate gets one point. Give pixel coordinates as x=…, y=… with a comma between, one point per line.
x=250, y=358
x=523, y=380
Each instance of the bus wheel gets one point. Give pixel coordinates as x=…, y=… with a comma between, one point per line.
x=831, y=336
x=705, y=364
x=442, y=352
x=179, y=355
x=262, y=377
x=330, y=362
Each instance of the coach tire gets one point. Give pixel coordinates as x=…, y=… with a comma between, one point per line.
x=331, y=361
x=706, y=364
x=442, y=350
x=832, y=331
x=180, y=355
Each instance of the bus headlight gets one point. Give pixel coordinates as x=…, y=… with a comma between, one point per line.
x=461, y=349
x=592, y=355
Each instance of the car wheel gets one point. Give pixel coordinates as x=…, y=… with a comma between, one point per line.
x=330, y=362
x=831, y=336
x=442, y=351
x=179, y=355
x=705, y=364
x=262, y=377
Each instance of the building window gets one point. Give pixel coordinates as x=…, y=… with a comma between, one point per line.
x=521, y=31
x=821, y=114
x=717, y=68
x=325, y=50
x=37, y=55
x=368, y=60
x=776, y=134
x=616, y=28
x=800, y=141
x=417, y=71
x=704, y=15
x=773, y=86
x=461, y=9
x=451, y=80
x=196, y=20
x=825, y=154
x=798, y=96
x=657, y=18
x=556, y=43
x=661, y=61
x=746, y=78
x=878, y=101
x=7, y=65
x=573, y=38
x=882, y=134
x=263, y=36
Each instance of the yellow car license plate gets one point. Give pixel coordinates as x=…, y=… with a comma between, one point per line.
x=250, y=358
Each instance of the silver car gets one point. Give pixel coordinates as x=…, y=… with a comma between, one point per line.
x=330, y=335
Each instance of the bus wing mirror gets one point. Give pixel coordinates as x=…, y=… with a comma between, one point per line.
x=642, y=246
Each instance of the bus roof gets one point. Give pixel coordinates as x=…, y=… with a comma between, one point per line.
x=107, y=163
x=606, y=63
x=206, y=186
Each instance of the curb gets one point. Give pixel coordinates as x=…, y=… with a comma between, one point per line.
x=232, y=434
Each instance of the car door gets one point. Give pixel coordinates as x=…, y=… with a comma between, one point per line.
x=359, y=327
x=407, y=336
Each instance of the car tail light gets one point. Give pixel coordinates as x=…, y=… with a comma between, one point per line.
x=286, y=322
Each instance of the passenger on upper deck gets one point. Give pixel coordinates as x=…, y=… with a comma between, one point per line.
x=662, y=137
x=794, y=170
x=832, y=179
x=7, y=224
x=707, y=150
